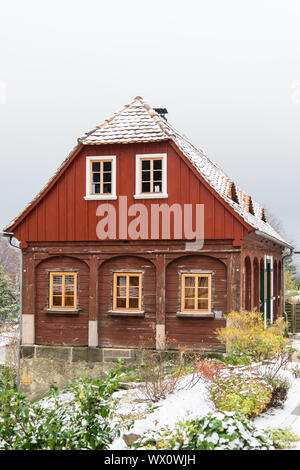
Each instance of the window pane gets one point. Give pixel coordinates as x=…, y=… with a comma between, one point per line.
x=106, y=166
x=146, y=187
x=121, y=280
x=189, y=292
x=203, y=304
x=203, y=293
x=157, y=175
x=189, y=281
x=96, y=177
x=57, y=301
x=146, y=176
x=134, y=280
x=133, y=303
x=189, y=304
x=57, y=289
x=203, y=281
x=107, y=177
x=107, y=188
x=157, y=187
x=157, y=164
x=121, y=303
x=57, y=279
x=145, y=164
x=96, y=166
x=121, y=291
x=96, y=188
x=69, y=301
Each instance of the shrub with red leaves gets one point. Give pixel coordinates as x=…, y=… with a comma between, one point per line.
x=208, y=369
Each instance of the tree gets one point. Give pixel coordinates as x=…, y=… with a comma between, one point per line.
x=9, y=299
x=289, y=282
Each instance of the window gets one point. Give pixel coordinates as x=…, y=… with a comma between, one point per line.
x=127, y=293
x=196, y=293
x=151, y=176
x=63, y=290
x=101, y=177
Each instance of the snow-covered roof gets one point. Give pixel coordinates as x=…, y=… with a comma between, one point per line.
x=138, y=122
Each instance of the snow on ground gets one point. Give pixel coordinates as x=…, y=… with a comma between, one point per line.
x=193, y=401
x=283, y=417
x=184, y=404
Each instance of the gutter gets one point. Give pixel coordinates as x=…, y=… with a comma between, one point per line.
x=10, y=236
x=273, y=239
x=283, y=281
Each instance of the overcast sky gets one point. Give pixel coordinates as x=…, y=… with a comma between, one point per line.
x=227, y=71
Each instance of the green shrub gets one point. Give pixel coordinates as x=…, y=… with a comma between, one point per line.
x=216, y=431
x=81, y=418
x=283, y=438
x=280, y=387
x=239, y=393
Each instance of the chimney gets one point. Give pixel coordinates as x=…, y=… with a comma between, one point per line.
x=162, y=112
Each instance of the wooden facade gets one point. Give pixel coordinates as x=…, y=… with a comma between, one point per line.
x=57, y=233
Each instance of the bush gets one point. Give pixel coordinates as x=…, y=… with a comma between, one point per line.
x=280, y=387
x=82, y=418
x=246, y=395
x=246, y=336
x=283, y=438
x=216, y=431
x=160, y=376
x=208, y=369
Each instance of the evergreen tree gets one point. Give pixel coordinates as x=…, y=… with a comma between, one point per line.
x=9, y=299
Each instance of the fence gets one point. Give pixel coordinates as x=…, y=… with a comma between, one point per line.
x=293, y=314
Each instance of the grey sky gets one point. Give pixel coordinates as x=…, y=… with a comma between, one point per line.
x=228, y=72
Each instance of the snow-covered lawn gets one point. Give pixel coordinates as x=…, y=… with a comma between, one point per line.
x=192, y=402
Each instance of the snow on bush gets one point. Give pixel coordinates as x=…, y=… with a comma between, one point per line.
x=215, y=431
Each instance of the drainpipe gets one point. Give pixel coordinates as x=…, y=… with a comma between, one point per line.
x=283, y=275
x=10, y=235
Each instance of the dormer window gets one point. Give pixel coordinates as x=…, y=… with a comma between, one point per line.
x=101, y=177
x=151, y=176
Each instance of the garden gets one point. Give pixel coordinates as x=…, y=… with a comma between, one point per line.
x=242, y=400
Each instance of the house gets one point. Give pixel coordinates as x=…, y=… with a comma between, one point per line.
x=140, y=240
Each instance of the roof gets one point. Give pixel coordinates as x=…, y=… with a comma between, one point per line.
x=138, y=122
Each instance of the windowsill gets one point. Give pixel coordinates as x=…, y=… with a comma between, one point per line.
x=110, y=197
x=126, y=313
x=62, y=311
x=150, y=196
x=195, y=315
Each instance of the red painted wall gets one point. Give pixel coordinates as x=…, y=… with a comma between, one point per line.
x=194, y=332
x=64, y=215
x=127, y=331
x=61, y=329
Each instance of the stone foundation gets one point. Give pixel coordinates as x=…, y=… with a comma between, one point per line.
x=42, y=366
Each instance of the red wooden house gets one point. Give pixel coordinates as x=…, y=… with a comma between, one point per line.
x=153, y=287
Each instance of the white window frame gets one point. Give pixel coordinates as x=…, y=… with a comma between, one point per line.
x=138, y=194
x=92, y=197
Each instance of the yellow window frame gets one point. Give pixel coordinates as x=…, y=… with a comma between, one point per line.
x=196, y=294
x=101, y=182
x=115, y=298
x=152, y=182
x=63, y=294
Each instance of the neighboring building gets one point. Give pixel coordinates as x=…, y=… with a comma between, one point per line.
x=156, y=291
